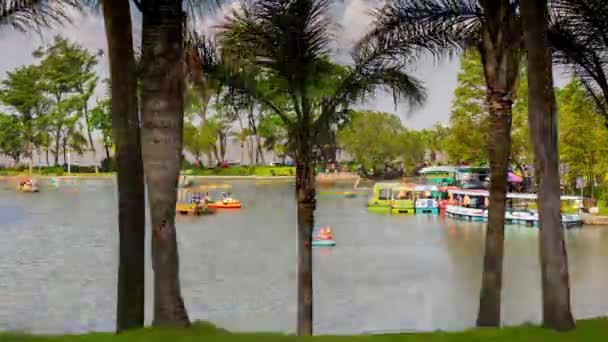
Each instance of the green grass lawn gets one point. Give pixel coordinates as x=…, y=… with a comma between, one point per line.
x=587, y=331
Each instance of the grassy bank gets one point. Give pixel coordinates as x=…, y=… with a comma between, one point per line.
x=258, y=171
x=587, y=330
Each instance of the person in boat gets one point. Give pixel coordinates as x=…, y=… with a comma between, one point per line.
x=325, y=234
x=226, y=197
x=466, y=201
x=207, y=198
x=196, y=198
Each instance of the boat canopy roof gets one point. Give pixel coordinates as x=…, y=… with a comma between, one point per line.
x=485, y=193
x=437, y=169
x=426, y=188
x=385, y=185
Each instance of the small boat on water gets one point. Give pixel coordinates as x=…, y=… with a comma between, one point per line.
x=323, y=238
x=227, y=202
x=402, y=200
x=194, y=209
x=425, y=202
x=381, y=199
x=472, y=205
x=27, y=186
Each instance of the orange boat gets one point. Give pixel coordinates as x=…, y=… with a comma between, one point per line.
x=225, y=204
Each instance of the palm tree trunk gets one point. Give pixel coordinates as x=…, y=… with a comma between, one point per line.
x=499, y=144
x=130, y=173
x=130, y=176
x=57, y=143
x=543, y=128
x=90, y=136
x=162, y=141
x=305, y=190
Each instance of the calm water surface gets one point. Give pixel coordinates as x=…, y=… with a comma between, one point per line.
x=58, y=262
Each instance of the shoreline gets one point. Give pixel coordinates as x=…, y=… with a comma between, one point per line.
x=590, y=329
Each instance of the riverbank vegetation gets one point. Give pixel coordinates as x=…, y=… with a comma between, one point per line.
x=586, y=330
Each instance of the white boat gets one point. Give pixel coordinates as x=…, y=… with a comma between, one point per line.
x=513, y=216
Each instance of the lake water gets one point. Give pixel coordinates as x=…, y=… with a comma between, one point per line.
x=58, y=263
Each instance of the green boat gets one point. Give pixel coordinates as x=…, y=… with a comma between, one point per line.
x=403, y=200
x=381, y=196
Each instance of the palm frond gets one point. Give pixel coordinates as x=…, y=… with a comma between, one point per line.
x=24, y=14
x=375, y=69
x=578, y=34
x=436, y=26
x=286, y=36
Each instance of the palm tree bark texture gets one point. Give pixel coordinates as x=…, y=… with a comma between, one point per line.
x=305, y=191
x=543, y=128
x=442, y=27
x=500, y=50
x=162, y=95
x=130, y=173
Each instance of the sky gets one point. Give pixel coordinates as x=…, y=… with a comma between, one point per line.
x=439, y=78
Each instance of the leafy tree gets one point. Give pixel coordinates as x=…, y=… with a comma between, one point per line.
x=67, y=76
x=373, y=139
x=288, y=40
x=200, y=139
x=469, y=121
x=22, y=91
x=583, y=139
x=101, y=120
x=12, y=141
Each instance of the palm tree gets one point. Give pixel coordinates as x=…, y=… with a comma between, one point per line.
x=24, y=14
x=288, y=41
x=443, y=27
x=130, y=173
x=543, y=124
x=162, y=96
x=578, y=35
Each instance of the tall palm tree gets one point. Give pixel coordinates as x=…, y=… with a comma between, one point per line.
x=578, y=35
x=444, y=27
x=130, y=175
x=162, y=96
x=125, y=129
x=543, y=125
x=288, y=41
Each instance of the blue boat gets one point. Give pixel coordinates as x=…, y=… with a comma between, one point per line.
x=321, y=243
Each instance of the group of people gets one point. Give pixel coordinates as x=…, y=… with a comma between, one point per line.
x=206, y=199
x=324, y=233
x=467, y=202
x=26, y=183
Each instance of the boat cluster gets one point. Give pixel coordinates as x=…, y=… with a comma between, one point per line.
x=452, y=191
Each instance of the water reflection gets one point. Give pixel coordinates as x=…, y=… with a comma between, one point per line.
x=58, y=257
